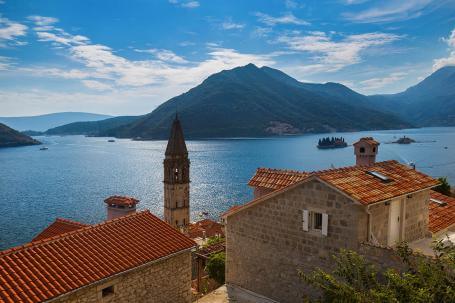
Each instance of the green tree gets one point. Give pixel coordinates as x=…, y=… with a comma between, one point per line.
x=423, y=279
x=444, y=187
x=216, y=266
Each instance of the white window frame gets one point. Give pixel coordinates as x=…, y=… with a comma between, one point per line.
x=308, y=221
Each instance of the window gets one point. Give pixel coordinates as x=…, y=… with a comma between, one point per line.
x=107, y=291
x=362, y=150
x=177, y=222
x=374, y=149
x=317, y=221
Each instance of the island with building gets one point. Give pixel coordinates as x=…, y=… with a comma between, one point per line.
x=404, y=140
x=333, y=142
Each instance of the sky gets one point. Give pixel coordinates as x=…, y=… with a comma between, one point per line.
x=127, y=57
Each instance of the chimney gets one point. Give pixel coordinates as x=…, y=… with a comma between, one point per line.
x=119, y=206
x=365, y=151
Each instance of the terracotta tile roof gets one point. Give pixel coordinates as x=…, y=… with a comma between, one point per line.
x=121, y=201
x=354, y=181
x=367, y=189
x=210, y=227
x=368, y=140
x=441, y=216
x=45, y=269
x=276, y=178
x=58, y=227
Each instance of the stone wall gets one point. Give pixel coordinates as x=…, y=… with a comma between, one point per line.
x=260, y=191
x=266, y=244
x=416, y=224
x=379, y=222
x=165, y=281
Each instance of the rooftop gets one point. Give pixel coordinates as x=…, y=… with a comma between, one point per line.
x=442, y=212
x=47, y=268
x=368, y=140
x=121, y=201
x=210, y=227
x=58, y=227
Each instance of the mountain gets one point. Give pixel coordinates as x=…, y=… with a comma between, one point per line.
x=10, y=137
x=91, y=128
x=44, y=122
x=251, y=101
x=429, y=103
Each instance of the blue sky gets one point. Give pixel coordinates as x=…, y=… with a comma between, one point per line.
x=127, y=57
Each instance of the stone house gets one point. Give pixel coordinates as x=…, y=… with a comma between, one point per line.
x=298, y=220
x=133, y=258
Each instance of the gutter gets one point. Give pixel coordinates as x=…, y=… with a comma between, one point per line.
x=120, y=273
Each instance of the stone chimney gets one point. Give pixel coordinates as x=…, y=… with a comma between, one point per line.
x=118, y=206
x=365, y=151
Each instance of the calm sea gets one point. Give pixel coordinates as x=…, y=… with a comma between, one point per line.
x=73, y=177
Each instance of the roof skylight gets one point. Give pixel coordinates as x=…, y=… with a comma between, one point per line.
x=380, y=176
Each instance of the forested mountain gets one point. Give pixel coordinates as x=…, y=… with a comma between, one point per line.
x=91, y=128
x=10, y=137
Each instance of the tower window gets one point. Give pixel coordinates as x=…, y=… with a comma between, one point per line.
x=107, y=291
x=374, y=149
x=362, y=150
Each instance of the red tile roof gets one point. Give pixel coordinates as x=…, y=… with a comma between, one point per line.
x=276, y=178
x=354, y=181
x=441, y=216
x=44, y=269
x=121, y=201
x=58, y=227
x=368, y=140
x=210, y=227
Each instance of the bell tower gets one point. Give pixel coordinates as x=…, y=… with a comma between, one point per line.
x=176, y=179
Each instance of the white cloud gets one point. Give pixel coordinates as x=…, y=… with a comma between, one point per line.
x=185, y=4
x=10, y=31
x=231, y=25
x=376, y=83
x=96, y=85
x=5, y=63
x=287, y=18
x=329, y=54
x=391, y=11
x=190, y=4
x=449, y=60
x=42, y=20
x=163, y=55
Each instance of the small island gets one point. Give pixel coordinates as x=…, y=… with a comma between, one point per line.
x=404, y=140
x=11, y=138
x=333, y=142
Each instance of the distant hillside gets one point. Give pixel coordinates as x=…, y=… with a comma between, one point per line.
x=429, y=103
x=10, y=137
x=44, y=122
x=252, y=101
x=91, y=128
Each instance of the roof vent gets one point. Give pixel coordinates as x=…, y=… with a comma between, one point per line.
x=380, y=176
x=439, y=202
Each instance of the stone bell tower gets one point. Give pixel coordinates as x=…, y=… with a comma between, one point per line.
x=176, y=179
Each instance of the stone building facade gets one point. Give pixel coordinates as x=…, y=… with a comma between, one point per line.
x=148, y=283
x=299, y=220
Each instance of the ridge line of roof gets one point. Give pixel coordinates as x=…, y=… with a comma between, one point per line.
x=45, y=241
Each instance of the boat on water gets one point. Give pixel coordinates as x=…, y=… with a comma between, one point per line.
x=44, y=148
x=111, y=140
x=333, y=142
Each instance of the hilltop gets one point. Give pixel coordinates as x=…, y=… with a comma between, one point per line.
x=10, y=137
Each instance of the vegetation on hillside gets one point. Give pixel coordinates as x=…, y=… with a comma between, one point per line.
x=356, y=280
x=10, y=137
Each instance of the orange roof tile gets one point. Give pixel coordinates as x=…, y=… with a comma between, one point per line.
x=441, y=216
x=121, y=201
x=368, y=140
x=45, y=269
x=210, y=227
x=354, y=181
x=276, y=178
x=58, y=227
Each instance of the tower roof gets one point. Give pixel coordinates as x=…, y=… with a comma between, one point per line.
x=176, y=144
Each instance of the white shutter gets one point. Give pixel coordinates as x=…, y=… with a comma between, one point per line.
x=325, y=224
x=305, y=219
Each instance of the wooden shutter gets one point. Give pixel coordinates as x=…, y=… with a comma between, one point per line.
x=325, y=224
x=305, y=222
